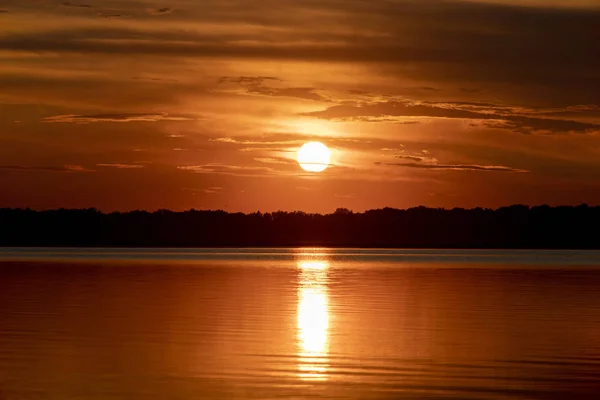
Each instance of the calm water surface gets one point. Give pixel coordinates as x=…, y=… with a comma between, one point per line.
x=298, y=323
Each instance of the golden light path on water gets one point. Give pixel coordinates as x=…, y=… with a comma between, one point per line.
x=313, y=320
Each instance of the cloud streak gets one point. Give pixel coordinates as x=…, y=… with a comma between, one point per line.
x=224, y=169
x=126, y=117
x=256, y=85
x=160, y=11
x=457, y=167
x=493, y=116
x=63, y=168
x=121, y=166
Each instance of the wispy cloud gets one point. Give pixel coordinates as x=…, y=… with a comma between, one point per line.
x=412, y=157
x=458, y=167
x=77, y=168
x=109, y=15
x=63, y=168
x=213, y=190
x=247, y=80
x=160, y=11
x=209, y=190
x=121, y=166
x=273, y=160
x=257, y=85
x=125, y=117
x=236, y=170
x=491, y=115
x=261, y=141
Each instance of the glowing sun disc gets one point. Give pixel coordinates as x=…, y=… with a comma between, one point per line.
x=314, y=157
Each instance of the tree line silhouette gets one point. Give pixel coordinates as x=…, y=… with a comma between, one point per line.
x=516, y=226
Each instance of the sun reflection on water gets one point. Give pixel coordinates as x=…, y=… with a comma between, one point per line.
x=313, y=320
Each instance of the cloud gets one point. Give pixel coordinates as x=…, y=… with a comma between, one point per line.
x=255, y=85
x=392, y=148
x=305, y=93
x=492, y=115
x=247, y=80
x=64, y=168
x=160, y=11
x=121, y=166
x=77, y=168
x=412, y=157
x=262, y=142
x=224, y=169
x=154, y=79
x=498, y=51
x=268, y=149
x=426, y=89
x=266, y=142
x=458, y=167
x=106, y=15
x=424, y=160
x=3, y=11
x=126, y=117
x=210, y=190
x=394, y=120
x=273, y=160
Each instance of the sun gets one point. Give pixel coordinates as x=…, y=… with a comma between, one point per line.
x=314, y=157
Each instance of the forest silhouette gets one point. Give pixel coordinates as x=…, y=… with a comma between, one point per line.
x=516, y=226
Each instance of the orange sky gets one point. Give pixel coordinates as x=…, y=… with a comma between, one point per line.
x=146, y=104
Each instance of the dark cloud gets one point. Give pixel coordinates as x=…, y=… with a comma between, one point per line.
x=160, y=11
x=521, y=123
x=508, y=49
x=458, y=167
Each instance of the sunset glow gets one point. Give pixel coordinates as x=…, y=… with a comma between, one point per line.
x=142, y=104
